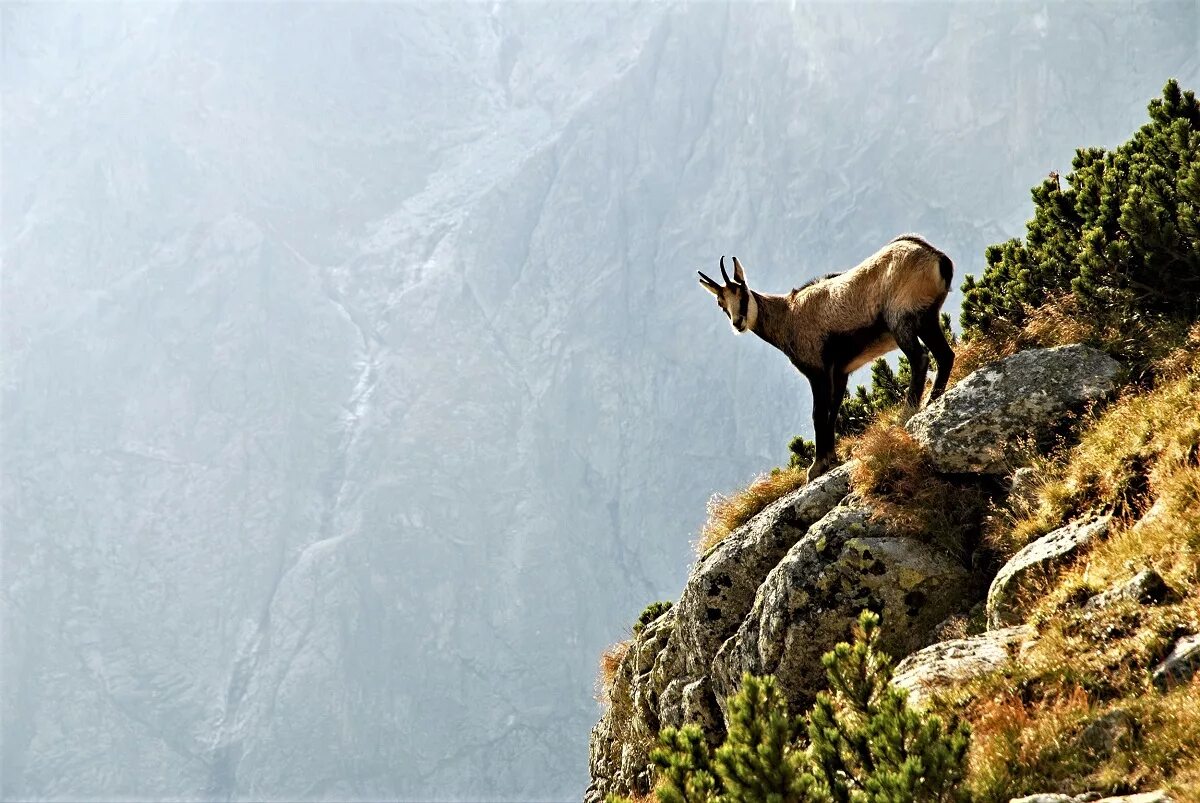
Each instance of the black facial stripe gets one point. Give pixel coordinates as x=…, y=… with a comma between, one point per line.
x=744, y=305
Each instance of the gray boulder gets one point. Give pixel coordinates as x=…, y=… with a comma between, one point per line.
x=950, y=663
x=846, y=562
x=720, y=588
x=1180, y=666
x=1012, y=592
x=976, y=425
x=664, y=679
x=1147, y=587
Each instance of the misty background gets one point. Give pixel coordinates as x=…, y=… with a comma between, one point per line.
x=357, y=386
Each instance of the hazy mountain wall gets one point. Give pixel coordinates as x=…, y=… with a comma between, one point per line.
x=357, y=387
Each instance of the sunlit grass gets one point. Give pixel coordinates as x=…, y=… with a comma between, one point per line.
x=728, y=512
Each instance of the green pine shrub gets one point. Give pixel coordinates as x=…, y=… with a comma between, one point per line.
x=867, y=744
x=1120, y=234
x=650, y=613
x=860, y=744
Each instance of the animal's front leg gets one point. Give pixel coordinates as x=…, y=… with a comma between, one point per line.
x=822, y=427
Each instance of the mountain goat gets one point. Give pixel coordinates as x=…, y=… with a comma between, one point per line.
x=839, y=322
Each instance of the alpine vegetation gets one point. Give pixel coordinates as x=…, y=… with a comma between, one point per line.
x=840, y=322
x=860, y=742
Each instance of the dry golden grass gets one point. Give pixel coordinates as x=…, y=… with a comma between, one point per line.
x=1020, y=747
x=727, y=513
x=610, y=662
x=893, y=476
x=1033, y=737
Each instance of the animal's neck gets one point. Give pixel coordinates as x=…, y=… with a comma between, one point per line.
x=768, y=317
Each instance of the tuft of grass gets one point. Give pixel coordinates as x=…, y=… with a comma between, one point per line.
x=727, y=513
x=610, y=663
x=893, y=476
x=1021, y=747
x=1034, y=728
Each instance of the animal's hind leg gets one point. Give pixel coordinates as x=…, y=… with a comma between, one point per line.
x=840, y=380
x=905, y=332
x=931, y=333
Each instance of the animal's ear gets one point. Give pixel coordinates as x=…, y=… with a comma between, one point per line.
x=739, y=276
x=709, y=285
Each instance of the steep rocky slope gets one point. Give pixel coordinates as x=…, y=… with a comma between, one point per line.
x=782, y=590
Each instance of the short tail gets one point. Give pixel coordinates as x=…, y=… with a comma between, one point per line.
x=947, y=269
x=944, y=264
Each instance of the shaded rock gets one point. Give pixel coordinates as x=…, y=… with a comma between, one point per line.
x=670, y=703
x=1102, y=737
x=1147, y=587
x=846, y=562
x=975, y=425
x=1012, y=590
x=1022, y=489
x=720, y=588
x=700, y=707
x=1178, y=667
x=950, y=663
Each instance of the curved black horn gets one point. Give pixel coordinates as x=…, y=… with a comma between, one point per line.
x=724, y=275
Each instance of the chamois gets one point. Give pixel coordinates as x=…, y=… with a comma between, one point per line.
x=839, y=322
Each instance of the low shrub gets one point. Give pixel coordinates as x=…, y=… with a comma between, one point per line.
x=649, y=614
x=863, y=742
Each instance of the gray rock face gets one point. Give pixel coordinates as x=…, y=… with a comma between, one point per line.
x=846, y=562
x=949, y=663
x=664, y=680
x=1147, y=587
x=721, y=587
x=976, y=424
x=1157, y=796
x=1180, y=666
x=1010, y=594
